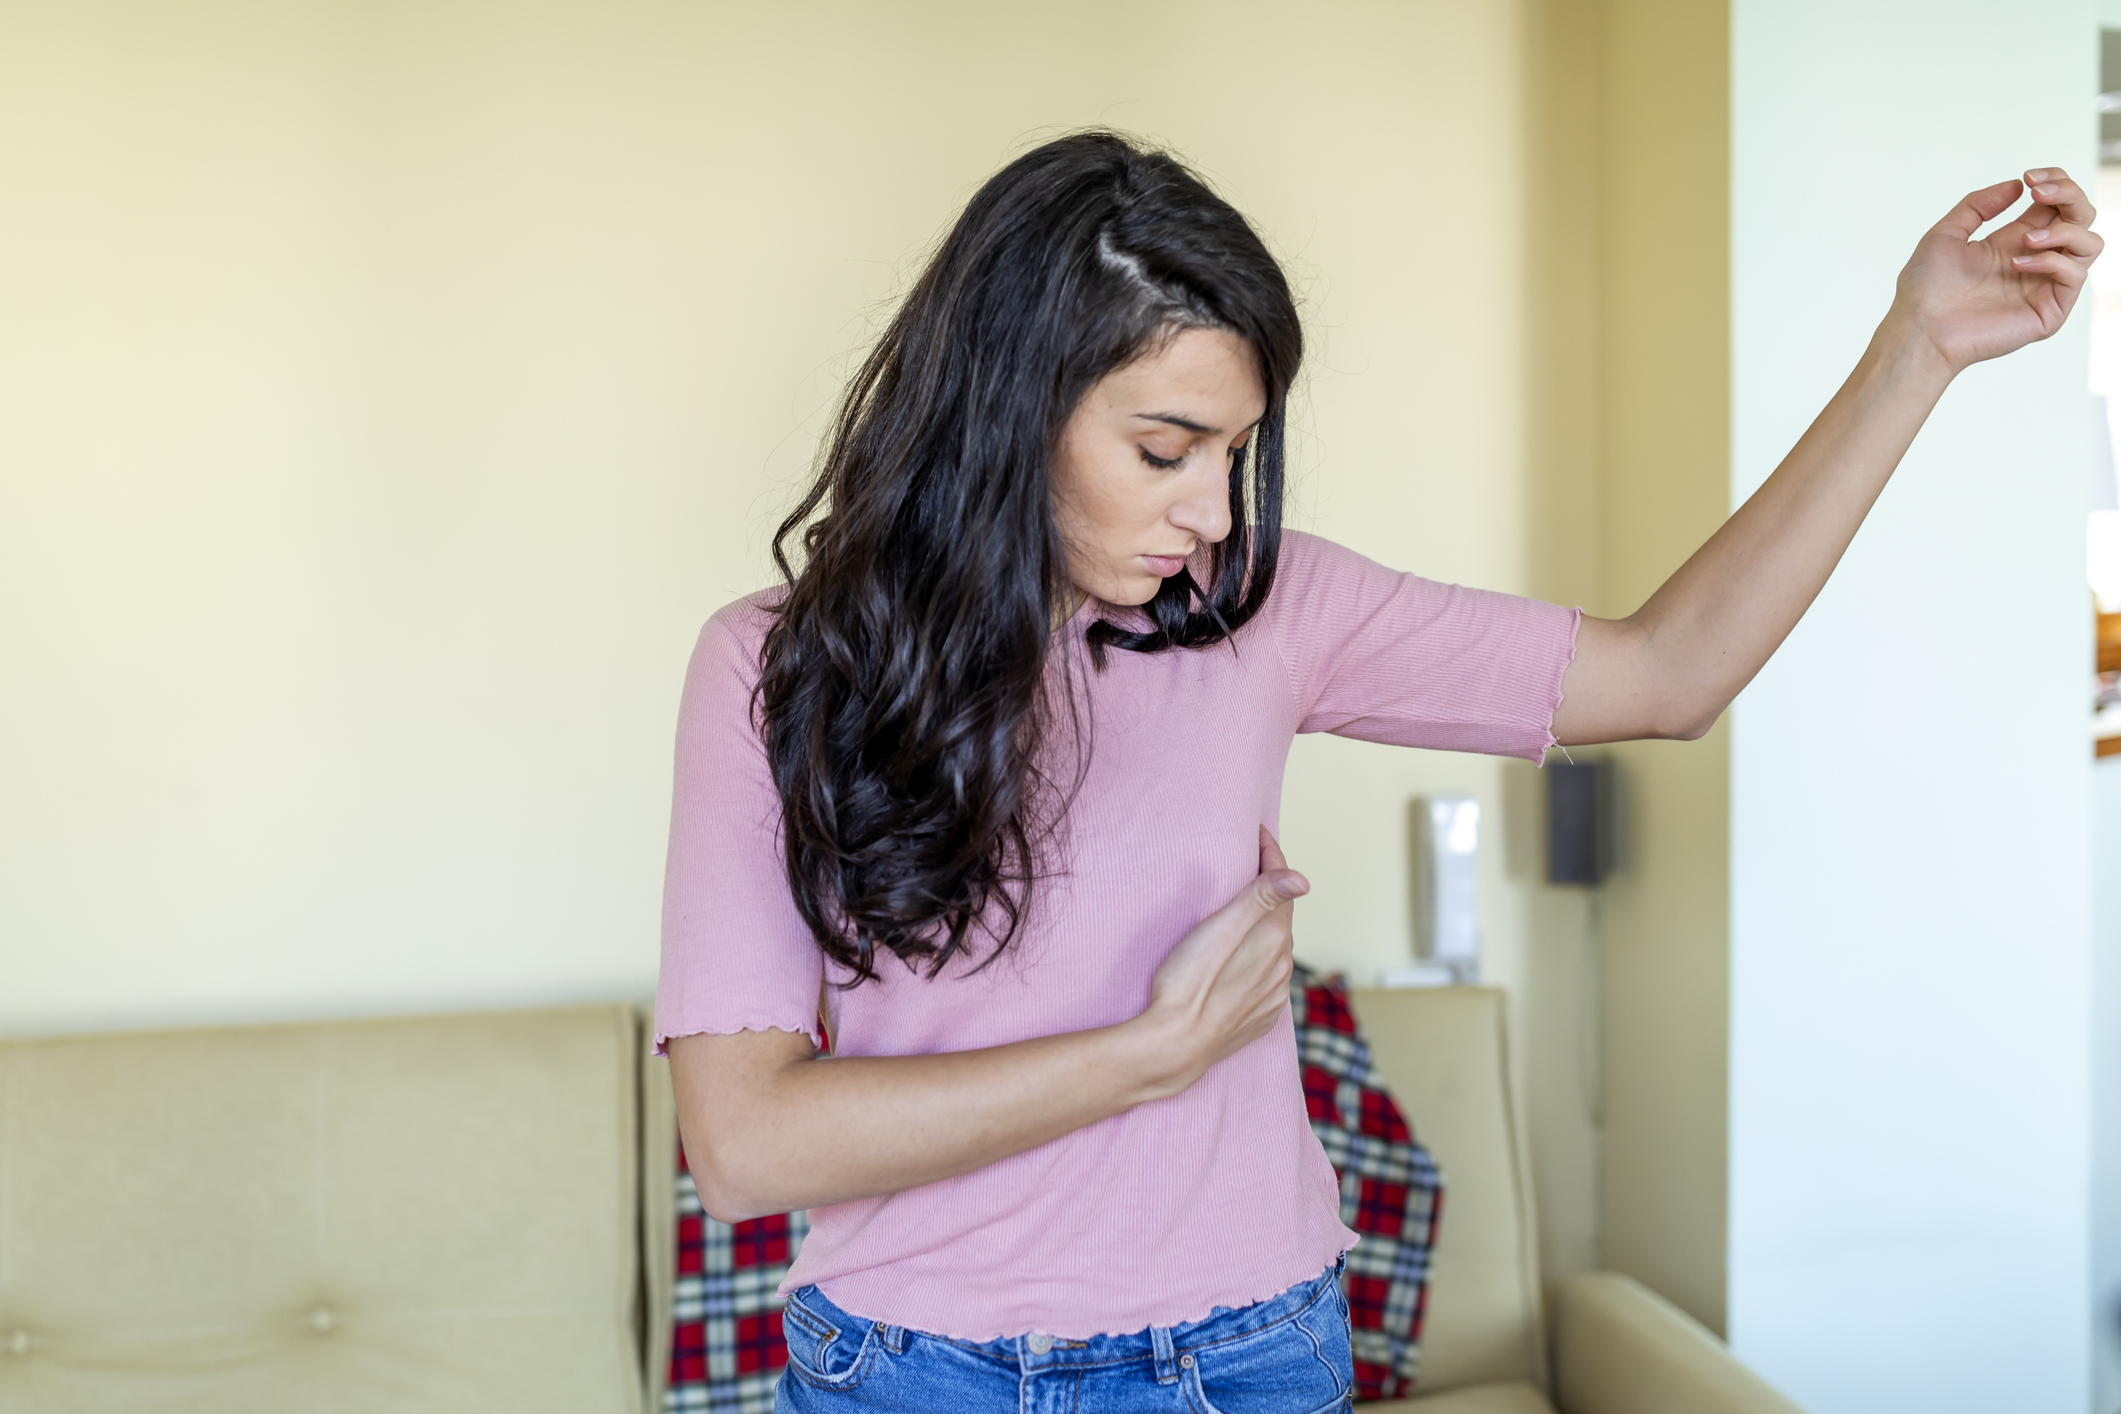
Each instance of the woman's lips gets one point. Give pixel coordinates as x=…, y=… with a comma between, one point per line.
x=1164, y=566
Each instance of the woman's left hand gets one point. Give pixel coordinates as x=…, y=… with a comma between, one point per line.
x=1973, y=300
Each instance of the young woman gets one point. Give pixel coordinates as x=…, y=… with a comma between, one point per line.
x=991, y=780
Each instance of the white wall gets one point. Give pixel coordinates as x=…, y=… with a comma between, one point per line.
x=1910, y=809
x=2106, y=1087
x=2104, y=302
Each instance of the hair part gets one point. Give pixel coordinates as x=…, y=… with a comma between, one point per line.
x=904, y=696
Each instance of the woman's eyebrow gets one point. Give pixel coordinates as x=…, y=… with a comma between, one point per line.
x=1176, y=420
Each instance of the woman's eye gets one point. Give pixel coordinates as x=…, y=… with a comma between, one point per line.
x=1162, y=463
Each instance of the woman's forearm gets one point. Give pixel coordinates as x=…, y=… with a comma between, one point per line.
x=1682, y=657
x=769, y=1128
x=1672, y=667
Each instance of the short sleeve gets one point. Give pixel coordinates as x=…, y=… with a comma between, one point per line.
x=737, y=955
x=1384, y=656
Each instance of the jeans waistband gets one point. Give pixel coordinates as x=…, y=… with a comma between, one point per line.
x=1163, y=1345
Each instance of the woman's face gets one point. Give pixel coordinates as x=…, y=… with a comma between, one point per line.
x=1143, y=477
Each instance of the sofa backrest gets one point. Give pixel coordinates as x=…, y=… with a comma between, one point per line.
x=1443, y=1054
x=449, y=1213
x=659, y=1264
x=432, y=1214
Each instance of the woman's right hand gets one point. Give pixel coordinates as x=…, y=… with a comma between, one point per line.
x=1225, y=984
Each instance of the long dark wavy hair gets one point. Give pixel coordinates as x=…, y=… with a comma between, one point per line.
x=903, y=694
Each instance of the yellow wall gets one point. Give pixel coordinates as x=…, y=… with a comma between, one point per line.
x=1557, y=1000
x=1664, y=469
x=1625, y=991
x=386, y=394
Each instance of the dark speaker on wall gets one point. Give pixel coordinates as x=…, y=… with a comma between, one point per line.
x=1578, y=847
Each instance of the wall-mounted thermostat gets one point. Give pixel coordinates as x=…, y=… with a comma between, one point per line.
x=1447, y=884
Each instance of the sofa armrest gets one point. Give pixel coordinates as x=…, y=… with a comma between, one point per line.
x=1619, y=1348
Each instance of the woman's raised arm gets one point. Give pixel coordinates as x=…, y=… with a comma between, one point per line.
x=1673, y=666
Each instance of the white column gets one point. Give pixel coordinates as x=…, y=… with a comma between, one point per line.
x=1910, y=843
x=2106, y=1087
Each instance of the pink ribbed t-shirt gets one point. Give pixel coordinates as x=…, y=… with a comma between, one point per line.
x=1219, y=1196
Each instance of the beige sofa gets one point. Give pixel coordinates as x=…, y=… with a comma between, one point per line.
x=449, y=1214
x=1616, y=1348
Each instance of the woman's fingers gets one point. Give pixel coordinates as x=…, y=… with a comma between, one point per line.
x=2055, y=198
x=1262, y=911
x=1977, y=208
x=1226, y=983
x=2062, y=269
x=1275, y=873
x=2063, y=251
x=2051, y=187
x=1210, y=945
x=2067, y=237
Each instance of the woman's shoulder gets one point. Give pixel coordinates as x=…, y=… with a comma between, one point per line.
x=1324, y=591
x=747, y=619
x=1305, y=557
x=1319, y=582
x=1310, y=566
x=729, y=644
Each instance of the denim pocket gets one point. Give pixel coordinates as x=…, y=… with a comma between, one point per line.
x=826, y=1351
x=1340, y=1299
x=1296, y=1366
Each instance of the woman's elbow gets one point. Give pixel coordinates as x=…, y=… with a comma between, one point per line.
x=732, y=1166
x=1691, y=726
x=729, y=1093
x=728, y=1197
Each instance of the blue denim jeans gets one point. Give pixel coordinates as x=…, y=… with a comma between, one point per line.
x=1285, y=1355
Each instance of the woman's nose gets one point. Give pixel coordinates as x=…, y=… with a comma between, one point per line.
x=1204, y=511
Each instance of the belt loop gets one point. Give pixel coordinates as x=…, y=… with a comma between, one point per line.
x=1166, y=1357
x=894, y=1337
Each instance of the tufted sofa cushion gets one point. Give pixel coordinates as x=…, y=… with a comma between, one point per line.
x=433, y=1214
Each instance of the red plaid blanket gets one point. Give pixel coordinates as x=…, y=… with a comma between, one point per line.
x=726, y=1350
x=1390, y=1190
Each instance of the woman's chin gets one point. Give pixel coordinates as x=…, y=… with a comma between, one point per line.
x=1129, y=591
x=1138, y=592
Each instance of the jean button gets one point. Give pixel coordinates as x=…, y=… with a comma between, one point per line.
x=1040, y=1343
